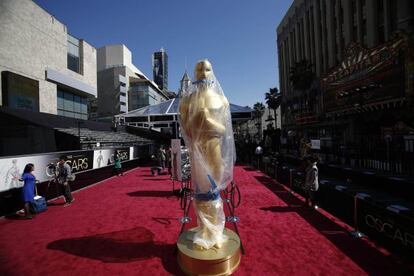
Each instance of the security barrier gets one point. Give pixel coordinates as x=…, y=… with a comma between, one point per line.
x=387, y=221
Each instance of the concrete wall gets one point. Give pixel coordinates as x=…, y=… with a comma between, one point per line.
x=32, y=40
x=108, y=91
x=110, y=56
x=116, y=55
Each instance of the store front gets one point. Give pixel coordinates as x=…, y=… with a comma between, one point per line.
x=371, y=93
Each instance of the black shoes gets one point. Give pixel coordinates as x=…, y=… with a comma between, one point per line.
x=68, y=202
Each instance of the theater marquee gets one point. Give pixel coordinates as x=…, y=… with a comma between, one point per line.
x=367, y=76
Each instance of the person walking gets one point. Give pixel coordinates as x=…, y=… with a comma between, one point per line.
x=163, y=157
x=155, y=165
x=117, y=164
x=311, y=180
x=28, y=189
x=63, y=173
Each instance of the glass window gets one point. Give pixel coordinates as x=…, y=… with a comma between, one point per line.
x=73, y=50
x=60, y=100
x=77, y=104
x=67, y=114
x=73, y=54
x=68, y=101
x=70, y=105
x=73, y=63
x=84, y=106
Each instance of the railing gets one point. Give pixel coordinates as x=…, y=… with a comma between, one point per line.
x=393, y=161
x=387, y=220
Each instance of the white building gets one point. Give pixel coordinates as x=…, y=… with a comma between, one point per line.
x=43, y=68
x=121, y=85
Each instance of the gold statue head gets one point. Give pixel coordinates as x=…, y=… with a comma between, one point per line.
x=203, y=70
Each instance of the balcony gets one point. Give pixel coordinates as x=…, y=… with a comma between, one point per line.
x=122, y=89
x=122, y=79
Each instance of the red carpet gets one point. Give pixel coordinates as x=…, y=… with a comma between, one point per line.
x=129, y=225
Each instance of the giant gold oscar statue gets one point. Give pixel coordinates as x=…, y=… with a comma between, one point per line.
x=205, y=121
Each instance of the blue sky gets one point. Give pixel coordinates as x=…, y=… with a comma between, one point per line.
x=238, y=37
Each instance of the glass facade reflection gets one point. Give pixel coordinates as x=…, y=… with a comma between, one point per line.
x=73, y=54
x=143, y=94
x=71, y=105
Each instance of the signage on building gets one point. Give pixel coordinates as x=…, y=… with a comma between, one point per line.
x=11, y=168
x=316, y=144
x=306, y=118
x=367, y=76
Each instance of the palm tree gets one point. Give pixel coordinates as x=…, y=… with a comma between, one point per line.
x=273, y=101
x=258, y=111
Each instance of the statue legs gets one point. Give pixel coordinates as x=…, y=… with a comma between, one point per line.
x=210, y=220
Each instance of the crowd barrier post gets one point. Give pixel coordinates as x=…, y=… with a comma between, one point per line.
x=232, y=204
x=276, y=168
x=187, y=198
x=291, y=171
x=358, y=196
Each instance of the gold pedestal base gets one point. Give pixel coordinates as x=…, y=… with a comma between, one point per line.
x=223, y=261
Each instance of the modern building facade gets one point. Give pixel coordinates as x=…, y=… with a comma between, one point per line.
x=121, y=85
x=160, y=69
x=43, y=67
x=144, y=92
x=359, y=103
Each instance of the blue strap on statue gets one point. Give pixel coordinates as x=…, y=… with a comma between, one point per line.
x=203, y=81
x=210, y=195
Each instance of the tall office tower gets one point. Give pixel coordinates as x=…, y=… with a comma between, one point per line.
x=160, y=69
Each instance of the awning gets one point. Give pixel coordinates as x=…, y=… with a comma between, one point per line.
x=170, y=107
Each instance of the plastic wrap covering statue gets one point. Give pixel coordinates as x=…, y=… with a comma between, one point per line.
x=185, y=164
x=207, y=130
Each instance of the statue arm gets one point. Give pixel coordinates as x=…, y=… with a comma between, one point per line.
x=214, y=124
x=183, y=108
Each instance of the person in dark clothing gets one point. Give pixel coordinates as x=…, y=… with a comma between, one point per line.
x=155, y=165
x=63, y=171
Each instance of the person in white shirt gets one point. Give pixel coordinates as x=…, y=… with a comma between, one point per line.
x=259, y=150
x=311, y=180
